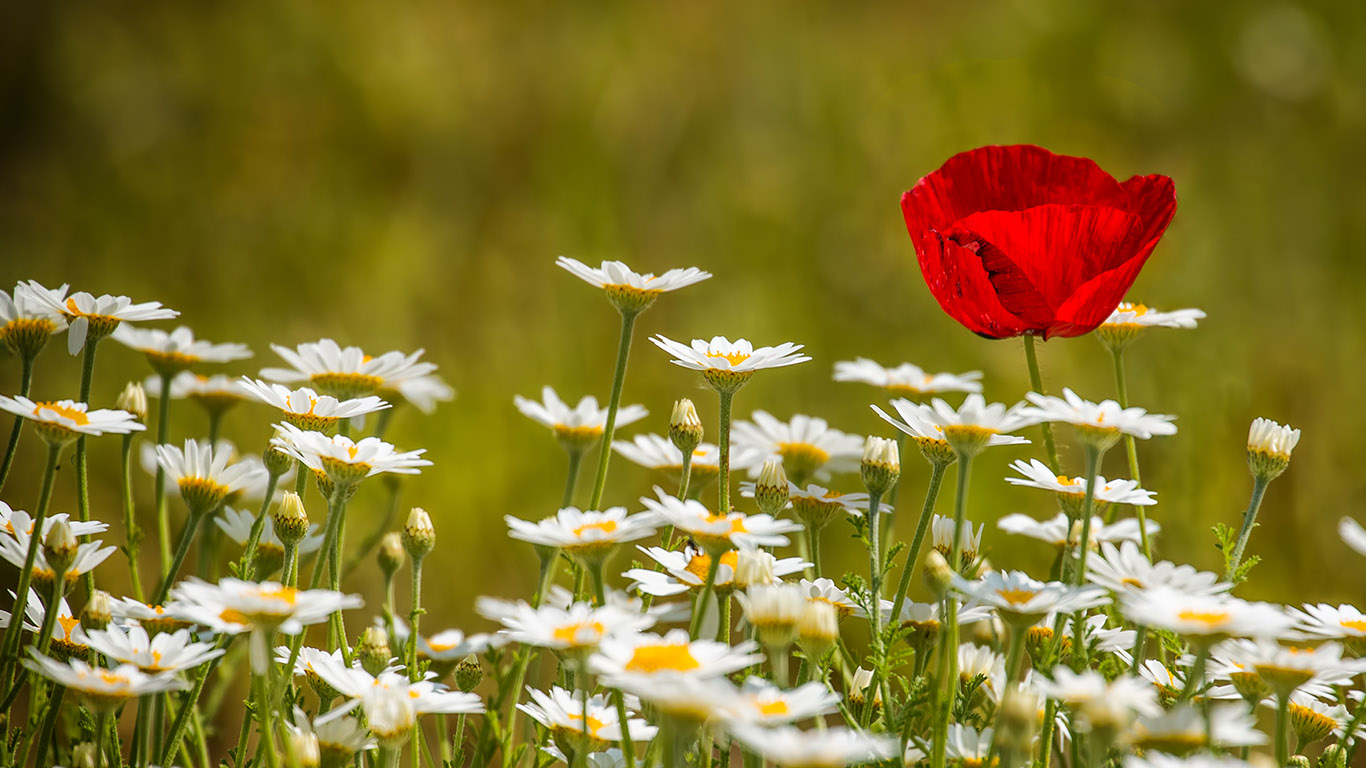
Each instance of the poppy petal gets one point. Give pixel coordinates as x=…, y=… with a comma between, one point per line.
x=963, y=288
x=1088, y=307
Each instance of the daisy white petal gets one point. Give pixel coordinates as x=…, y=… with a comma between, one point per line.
x=829, y=748
x=807, y=446
x=906, y=379
x=63, y=421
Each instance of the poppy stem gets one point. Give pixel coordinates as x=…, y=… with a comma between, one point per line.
x=1036, y=383
x=1122, y=385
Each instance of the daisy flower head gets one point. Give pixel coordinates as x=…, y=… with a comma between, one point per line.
x=1022, y=601
x=622, y=658
x=345, y=372
x=1071, y=491
x=1100, y=704
x=728, y=365
x=26, y=322
x=790, y=747
x=391, y=703
x=307, y=409
x=1329, y=621
x=807, y=446
x=61, y=422
x=973, y=427
x=576, y=629
x=93, y=318
x=1287, y=668
x=163, y=652
x=824, y=590
x=1100, y=424
x=1123, y=569
x=15, y=549
x=339, y=739
x=1164, y=760
x=563, y=713
x=1313, y=719
x=773, y=611
x=578, y=427
x=1129, y=320
x=18, y=523
x=815, y=505
x=684, y=700
x=155, y=618
x=1181, y=731
x=658, y=452
x=449, y=647
x=103, y=690
x=588, y=535
x=686, y=569
x=719, y=533
x=171, y=353
x=215, y=394
x=68, y=639
x=1205, y=618
x=270, y=550
x=235, y=606
x=203, y=474
x=1061, y=531
x=764, y=703
x=980, y=661
x=629, y=291
x=345, y=461
x=967, y=745
x=1269, y=446
x=906, y=379
x=942, y=529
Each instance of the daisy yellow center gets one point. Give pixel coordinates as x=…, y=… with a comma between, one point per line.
x=700, y=564
x=68, y=623
x=569, y=633
x=288, y=594
x=803, y=454
x=1133, y=583
x=1358, y=625
x=336, y=381
x=351, y=452
x=1208, y=618
x=734, y=358
x=440, y=647
x=674, y=657
x=1071, y=482
x=66, y=412
x=594, y=724
x=1016, y=596
x=843, y=609
x=737, y=523
x=772, y=708
x=606, y=526
x=111, y=678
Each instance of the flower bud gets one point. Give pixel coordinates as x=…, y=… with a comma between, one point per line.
x=373, y=650
x=391, y=556
x=134, y=400
x=938, y=575
x=856, y=690
x=881, y=466
x=754, y=568
x=419, y=537
x=685, y=428
x=277, y=463
x=1268, y=448
x=1333, y=756
x=772, y=489
x=97, y=612
x=1298, y=761
x=60, y=547
x=468, y=673
x=290, y=519
x=1310, y=722
x=301, y=748
x=818, y=629
x=83, y=755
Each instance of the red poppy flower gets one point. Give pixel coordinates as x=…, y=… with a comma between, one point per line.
x=1016, y=240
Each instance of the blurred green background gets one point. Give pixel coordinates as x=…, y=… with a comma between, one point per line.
x=402, y=175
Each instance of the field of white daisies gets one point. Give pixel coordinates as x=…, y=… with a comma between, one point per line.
x=694, y=627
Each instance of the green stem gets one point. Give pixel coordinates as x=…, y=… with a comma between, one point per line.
x=188, y=704
x=628, y=322
x=131, y=535
x=1093, y=458
x=247, y=565
x=875, y=604
x=414, y=616
x=1197, y=675
x=1140, y=639
x=1036, y=383
x=191, y=525
x=628, y=747
x=708, y=587
x=215, y=422
x=82, y=458
x=264, y=712
x=50, y=723
x=1131, y=448
x=44, y=639
x=727, y=397
x=163, y=513
x=686, y=478
x=926, y=514
x=25, y=383
x=1282, y=726
x=575, y=458
x=11, y=644
x=813, y=535
x=1259, y=484
x=948, y=647
x=101, y=728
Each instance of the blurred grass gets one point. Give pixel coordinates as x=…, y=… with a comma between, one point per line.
x=402, y=175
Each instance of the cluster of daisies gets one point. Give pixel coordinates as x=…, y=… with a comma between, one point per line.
x=694, y=626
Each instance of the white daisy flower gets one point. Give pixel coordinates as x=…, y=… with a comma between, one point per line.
x=344, y=460
x=156, y=618
x=177, y=350
x=1313, y=719
x=1168, y=681
x=764, y=703
x=1036, y=474
x=1324, y=620
x=967, y=744
x=725, y=364
x=1353, y=535
x=1163, y=760
x=579, y=628
x=91, y=316
x=68, y=637
x=580, y=425
x=14, y=550
x=611, y=758
x=307, y=409
x=1287, y=668
x=807, y=446
x=658, y=452
x=1124, y=569
x=452, y=645
x=588, y=534
x=391, y=703
x=203, y=475
x=1098, y=703
x=975, y=660
x=26, y=322
x=823, y=590
x=906, y=379
x=924, y=617
x=1129, y=320
x=237, y=525
x=1021, y=600
x=234, y=606
x=1206, y=617
x=1269, y=446
x=969, y=542
x=975, y=425
x=717, y=533
x=339, y=739
x=17, y=521
x=693, y=699
x=1103, y=422
x=62, y=421
x=686, y=569
x=628, y=290
x=1060, y=531
x=346, y=372
x=562, y=713
x=829, y=748
x=162, y=652
x=1182, y=730
x=215, y=393
x=103, y=690
x=622, y=658
x=424, y=391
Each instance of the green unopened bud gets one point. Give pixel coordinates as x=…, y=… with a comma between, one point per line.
x=134, y=400
x=60, y=546
x=98, y=611
x=818, y=629
x=938, y=575
x=856, y=690
x=373, y=650
x=685, y=428
x=1268, y=448
x=881, y=466
x=468, y=673
x=1333, y=756
x=290, y=519
x=772, y=490
x=391, y=556
x=419, y=537
x=277, y=463
x=1297, y=761
x=937, y=452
